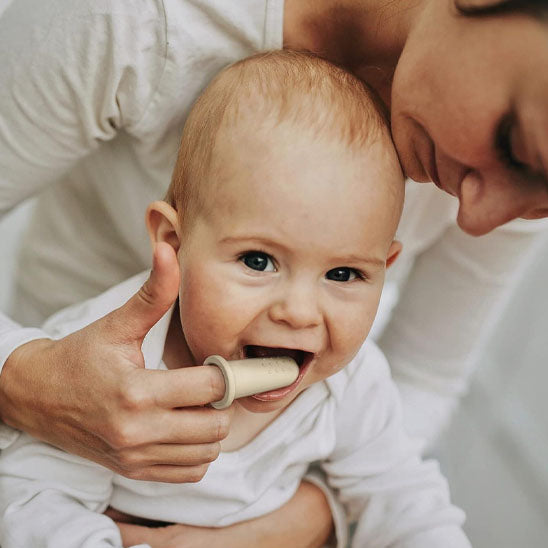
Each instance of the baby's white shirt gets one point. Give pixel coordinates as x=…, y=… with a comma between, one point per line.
x=349, y=425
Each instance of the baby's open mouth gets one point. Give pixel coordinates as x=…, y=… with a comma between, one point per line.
x=301, y=357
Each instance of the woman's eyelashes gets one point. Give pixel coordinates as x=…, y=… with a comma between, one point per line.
x=259, y=261
x=506, y=151
x=503, y=144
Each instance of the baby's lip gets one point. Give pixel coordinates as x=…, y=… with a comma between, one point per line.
x=303, y=358
x=300, y=356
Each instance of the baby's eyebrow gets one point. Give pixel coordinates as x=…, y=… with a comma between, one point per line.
x=353, y=259
x=342, y=260
x=251, y=239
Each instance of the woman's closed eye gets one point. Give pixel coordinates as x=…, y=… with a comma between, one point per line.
x=504, y=146
x=259, y=261
x=344, y=274
x=508, y=151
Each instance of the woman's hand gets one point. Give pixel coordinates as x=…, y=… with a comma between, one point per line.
x=89, y=393
x=303, y=522
x=172, y=536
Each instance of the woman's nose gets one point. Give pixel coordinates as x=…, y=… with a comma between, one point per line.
x=491, y=199
x=296, y=306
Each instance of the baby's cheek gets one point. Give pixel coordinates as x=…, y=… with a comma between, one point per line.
x=200, y=303
x=351, y=333
x=349, y=340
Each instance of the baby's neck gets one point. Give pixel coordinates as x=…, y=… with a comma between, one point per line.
x=245, y=426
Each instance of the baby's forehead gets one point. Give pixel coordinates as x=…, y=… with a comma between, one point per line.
x=287, y=162
x=274, y=140
x=354, y=123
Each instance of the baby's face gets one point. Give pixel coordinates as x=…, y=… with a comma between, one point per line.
x=290, y=258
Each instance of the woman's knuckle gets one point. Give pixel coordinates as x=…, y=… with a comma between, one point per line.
x=130, y=460
x=196, y=473
x=146, y=293
x=133, y=473
x=133, y=396
x=112, y=434
x=212, y=452
x=222, y=426
x=123, y=437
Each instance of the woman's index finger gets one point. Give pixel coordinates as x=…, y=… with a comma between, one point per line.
x=187, y=386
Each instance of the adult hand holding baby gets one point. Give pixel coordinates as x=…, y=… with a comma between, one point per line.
x=143, y=424
x=306, y=521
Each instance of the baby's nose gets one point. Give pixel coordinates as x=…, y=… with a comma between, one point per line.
x=297, y=307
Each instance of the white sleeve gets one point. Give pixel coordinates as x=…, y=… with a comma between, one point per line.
x=397, y=499
x=50, y=499
x=447, y=309
x=73, y=74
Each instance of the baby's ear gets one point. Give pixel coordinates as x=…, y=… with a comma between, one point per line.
x=393, y=252
x=163, y=224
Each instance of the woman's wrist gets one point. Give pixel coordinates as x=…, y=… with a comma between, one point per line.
x=20, y=378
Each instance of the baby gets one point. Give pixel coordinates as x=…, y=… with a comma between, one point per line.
x=282, y=209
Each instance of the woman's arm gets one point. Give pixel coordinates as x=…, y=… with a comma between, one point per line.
x=448, y=307
x=304, y=522
x=73, y=74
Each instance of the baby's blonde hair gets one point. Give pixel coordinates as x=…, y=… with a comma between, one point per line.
x=268, y=89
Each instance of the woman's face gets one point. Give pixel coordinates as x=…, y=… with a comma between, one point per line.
x=470, y=112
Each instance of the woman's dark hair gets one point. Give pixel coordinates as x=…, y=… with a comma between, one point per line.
x=536, y=8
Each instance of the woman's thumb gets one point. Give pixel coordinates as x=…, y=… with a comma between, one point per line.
x=154, y=298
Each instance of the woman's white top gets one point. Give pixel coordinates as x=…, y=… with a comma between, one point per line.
x=93, y=97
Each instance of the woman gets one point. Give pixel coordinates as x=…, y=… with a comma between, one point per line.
x=93, y=99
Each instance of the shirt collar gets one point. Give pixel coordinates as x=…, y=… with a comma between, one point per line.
x=154, y=342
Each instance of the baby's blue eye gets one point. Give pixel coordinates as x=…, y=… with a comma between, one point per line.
x=342, y=274
x=257, y=260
